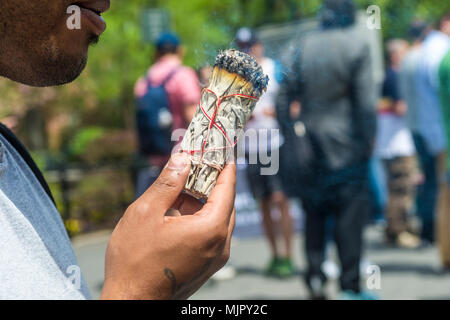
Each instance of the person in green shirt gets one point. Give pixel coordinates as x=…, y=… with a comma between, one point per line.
x=444, y=77
x=443, y=223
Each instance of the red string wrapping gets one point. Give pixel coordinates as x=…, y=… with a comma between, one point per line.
x=213, y=123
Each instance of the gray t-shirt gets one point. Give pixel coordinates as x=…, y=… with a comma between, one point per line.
x=36, y=257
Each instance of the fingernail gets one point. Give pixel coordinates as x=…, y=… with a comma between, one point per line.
x=178, y=162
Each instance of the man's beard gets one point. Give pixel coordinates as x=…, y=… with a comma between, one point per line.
x=67, y=68
x=47, y=65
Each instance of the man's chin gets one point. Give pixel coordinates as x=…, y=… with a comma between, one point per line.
x=54, y=73
x=57, y=76
x=71, y=68
x=73, y=73
x=52, y=66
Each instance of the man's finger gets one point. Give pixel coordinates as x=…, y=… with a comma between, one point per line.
x=221, y=201
x=166, y=189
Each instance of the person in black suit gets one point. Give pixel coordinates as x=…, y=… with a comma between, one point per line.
x=331, y=88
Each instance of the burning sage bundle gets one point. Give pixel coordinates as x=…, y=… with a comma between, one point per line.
x=226, y=105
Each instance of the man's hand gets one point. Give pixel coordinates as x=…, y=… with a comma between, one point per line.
x=155, y=256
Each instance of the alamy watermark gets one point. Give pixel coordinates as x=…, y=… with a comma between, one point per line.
x=256, y=146
x=374, y=20
x=73, y=278
x=74, y=20
x=373, y=281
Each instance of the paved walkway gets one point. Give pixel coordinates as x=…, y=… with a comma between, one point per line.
x=405, y=274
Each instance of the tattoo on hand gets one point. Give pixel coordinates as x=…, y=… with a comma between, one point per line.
x=173, y=279
x=175, y=286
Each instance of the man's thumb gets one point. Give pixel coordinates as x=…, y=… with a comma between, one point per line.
x=166, y=189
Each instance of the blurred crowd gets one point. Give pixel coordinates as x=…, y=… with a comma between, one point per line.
x=335, y=123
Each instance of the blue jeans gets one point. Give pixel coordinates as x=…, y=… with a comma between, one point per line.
x=427, y=192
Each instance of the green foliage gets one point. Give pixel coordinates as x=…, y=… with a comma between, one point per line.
x=83, y=138
x=101, y=197
x=40, y=158
x=112, y=147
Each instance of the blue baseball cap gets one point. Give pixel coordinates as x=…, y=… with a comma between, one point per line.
x=167, y=39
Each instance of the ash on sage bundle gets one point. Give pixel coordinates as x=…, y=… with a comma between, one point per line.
x=226, y=105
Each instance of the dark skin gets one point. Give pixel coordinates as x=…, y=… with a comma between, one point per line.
x=150, y=255
x=37, y=48
x=177, y=253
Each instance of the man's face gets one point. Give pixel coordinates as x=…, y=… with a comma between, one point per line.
x=38, y=48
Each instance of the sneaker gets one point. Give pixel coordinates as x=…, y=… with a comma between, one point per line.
x=284, y=268
x=408, y=240
x=363, y=295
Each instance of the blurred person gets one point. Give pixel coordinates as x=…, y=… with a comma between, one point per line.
x=267, y=189
x=149, y=255
x=332, y=86
x=408, y=89
x=430, y=138
x=444, y=78
x=408, y=73
x=175, y=110
x=395, y=147
x=443, y=222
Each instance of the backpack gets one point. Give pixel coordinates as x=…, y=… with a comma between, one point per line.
x=154, y=119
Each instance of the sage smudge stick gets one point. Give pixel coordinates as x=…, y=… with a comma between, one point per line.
x=226, y=105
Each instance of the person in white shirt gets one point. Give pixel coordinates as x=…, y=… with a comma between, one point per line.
x=264, y=138
x=395, y=146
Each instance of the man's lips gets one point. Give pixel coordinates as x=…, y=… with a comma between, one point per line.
x=92, y=10
x=98, y=6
